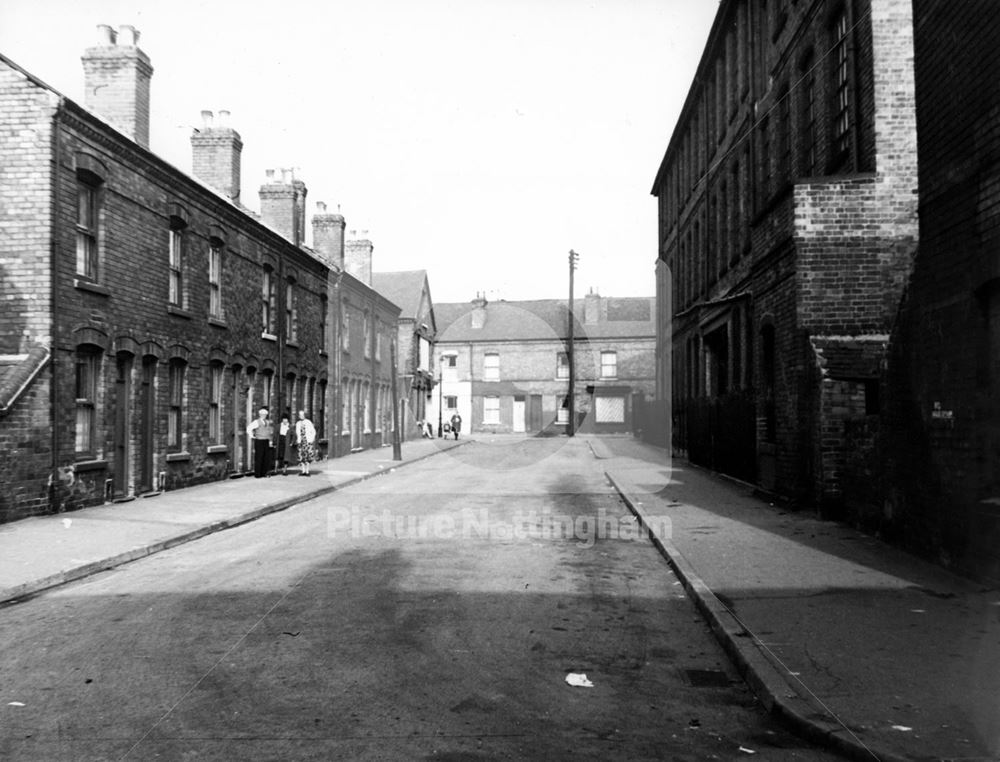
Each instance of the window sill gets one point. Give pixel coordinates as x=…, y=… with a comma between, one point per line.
x=217, y=449
x=291, y=343
x=176, y=457
x=90, y=465
x=93, y=288
x=268, y=336
x=180, y=312
x=217, y=322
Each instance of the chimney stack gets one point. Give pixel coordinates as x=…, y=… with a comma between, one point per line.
x=592, y=308
x=215, y=154
x=116, y=81
x=328, y=236
x=358, y=257
x=283, y=205
x=479, y=311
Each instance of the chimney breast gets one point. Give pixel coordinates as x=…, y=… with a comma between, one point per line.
x=216, y=154
x=479, y=311
x=592, y=308
x=116, y=81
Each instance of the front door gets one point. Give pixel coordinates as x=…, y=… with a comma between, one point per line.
x=123, y=389
x=519, y=408
x=147, y=424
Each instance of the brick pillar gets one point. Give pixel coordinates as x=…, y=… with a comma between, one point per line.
x=358, y=257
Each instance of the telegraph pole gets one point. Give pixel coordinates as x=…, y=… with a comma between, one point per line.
x=397, y=449
x=571, y=424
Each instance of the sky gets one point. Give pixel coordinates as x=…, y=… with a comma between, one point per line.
x=479, y=140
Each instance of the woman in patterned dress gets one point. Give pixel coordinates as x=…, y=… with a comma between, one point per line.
x=305, y=437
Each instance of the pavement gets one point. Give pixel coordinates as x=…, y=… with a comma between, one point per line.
x=859, y=646
x=41, y=552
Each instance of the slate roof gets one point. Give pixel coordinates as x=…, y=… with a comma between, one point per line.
x=403, y=288
x=17, y=372
x=545, y=319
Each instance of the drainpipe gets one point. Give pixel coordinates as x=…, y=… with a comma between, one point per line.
x=54, y=306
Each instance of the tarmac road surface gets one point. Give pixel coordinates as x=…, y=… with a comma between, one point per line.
x=434, y=613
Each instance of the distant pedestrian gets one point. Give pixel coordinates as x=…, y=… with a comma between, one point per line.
x=305, y=441
x=428, y=430
x=456, y=424
x=261, y=430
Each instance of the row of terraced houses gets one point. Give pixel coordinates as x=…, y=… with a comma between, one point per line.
x=147, y=314
x=828, y=273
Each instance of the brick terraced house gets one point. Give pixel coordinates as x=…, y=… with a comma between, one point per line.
x=827, y=231
x=146, y=313
x=504, y=366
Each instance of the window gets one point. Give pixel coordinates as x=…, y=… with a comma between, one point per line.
x=765, y=159
x=324, y=325
x=609, y=364
x=291, y=313
x=609, y=410
x=368, y=335
x=562, y=412
x=562, y=365
x=345, y=328
x=175, y=295
x=88, y=363
x=808, y=117
x=491, y=410
x=378, y=341
x=267, y=301
x=491, y=367
x=841, y=88
x=215, y=278
x=450, y=402
x=267, y=380
x=175, y=405
x=86, y=226
x=215, y=403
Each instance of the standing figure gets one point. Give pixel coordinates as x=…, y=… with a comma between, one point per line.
x=261, y=430
x=286, y=437
x=305, y=438
x=456, y=424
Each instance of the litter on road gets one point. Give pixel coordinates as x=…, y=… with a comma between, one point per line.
x=578, y=680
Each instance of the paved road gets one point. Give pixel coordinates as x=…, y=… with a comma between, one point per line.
x=434, y=613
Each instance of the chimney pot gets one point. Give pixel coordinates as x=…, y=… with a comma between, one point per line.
x=269, y=174
x=223, y=118
x=128, y=35
x=321, y=207
x=105, y=35
x=206, y=118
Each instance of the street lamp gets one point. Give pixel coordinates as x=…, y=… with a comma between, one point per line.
x=571, y=424
x=440, y=392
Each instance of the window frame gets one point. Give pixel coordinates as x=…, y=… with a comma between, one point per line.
x=176, y=371
x=491, y=409
x=291, y=312
x=491, y=370
x=87, y=385
x=268, y=300
x=216, y=373
x=613, y=365
x=88, y=210
x=215, y=248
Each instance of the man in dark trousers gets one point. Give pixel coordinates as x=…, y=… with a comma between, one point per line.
x=261, y=430
x=456, y=424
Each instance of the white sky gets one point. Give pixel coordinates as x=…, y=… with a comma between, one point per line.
x=480, y=140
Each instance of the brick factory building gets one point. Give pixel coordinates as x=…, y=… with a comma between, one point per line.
x=825, y=208
x=147, y=314
x=504, y=366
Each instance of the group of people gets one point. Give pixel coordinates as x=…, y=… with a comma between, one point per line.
x=296, y=443
x=454, y=427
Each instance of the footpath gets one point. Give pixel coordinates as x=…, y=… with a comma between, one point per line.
x=45, y=551
x=859, y=646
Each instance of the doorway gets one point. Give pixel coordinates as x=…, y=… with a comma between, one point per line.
x=147, y=424
x=122, y=445
x=519, y=409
